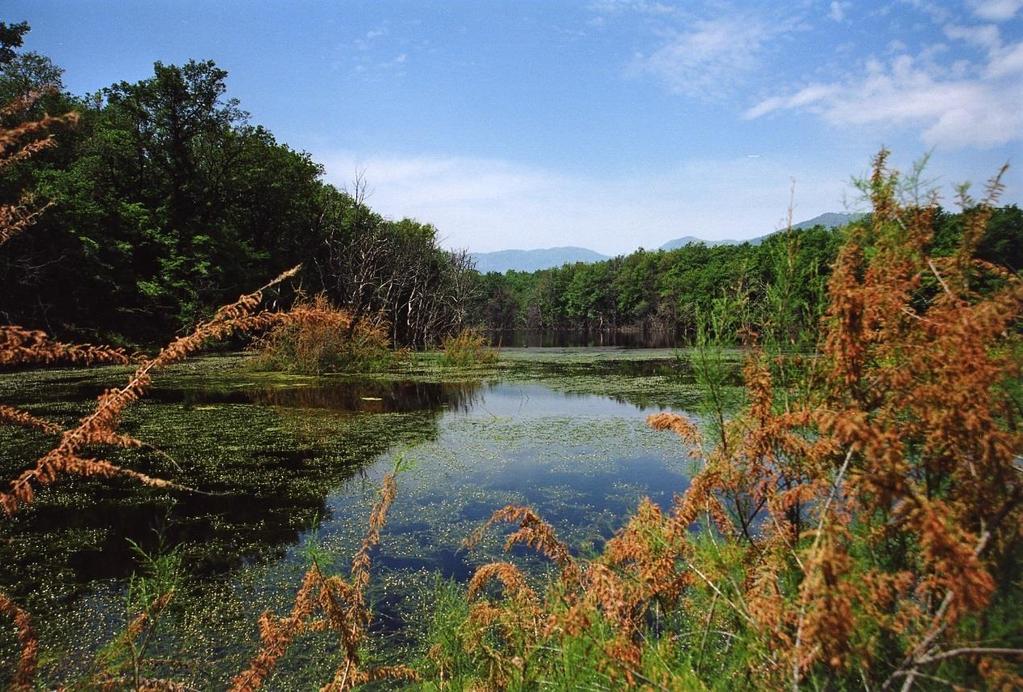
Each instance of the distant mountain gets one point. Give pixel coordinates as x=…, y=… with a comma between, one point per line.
x=532, y=260
x=828, y=220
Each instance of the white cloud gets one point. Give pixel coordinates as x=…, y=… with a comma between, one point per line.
x=996, y=10
x=837, y=9
x=813, y=94
x=367, y=41
x=641, y=6
x=487, y=204
x=1006, y=62
x=713, y=57
x=985, y=36
x=962, y=104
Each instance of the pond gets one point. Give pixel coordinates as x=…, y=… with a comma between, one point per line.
x=286, y=462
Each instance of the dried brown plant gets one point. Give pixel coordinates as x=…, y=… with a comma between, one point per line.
x=906, y=438
x=319, y=337
x=19, y=143
x=12, y=416
x=99, y=427
x=20, y=346
x=341, y=608
x=533, y=532
x=24, y=673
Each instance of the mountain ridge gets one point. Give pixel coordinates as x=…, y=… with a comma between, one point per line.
x=532, y=260
x=546, y=258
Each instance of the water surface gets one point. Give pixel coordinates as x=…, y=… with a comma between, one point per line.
x=295, y=462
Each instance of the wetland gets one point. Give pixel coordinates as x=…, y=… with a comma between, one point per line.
x=286, y=465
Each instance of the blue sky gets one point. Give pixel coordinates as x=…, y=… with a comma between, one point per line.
x=609, y=124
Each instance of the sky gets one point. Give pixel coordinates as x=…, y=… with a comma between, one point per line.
x=607, y=124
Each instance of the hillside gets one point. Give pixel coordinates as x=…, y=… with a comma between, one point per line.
x=828, y=220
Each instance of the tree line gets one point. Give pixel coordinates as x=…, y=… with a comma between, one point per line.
x=165, y=201
x=779, y=284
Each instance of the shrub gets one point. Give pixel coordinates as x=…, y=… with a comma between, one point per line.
x=319, y=337
x=467, y=347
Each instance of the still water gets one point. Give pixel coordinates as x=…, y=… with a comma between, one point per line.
x=290, y=466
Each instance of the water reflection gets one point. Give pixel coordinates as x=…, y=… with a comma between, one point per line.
x=551, y=338
x=279, y=464
x=370, y=396
x=263, y=459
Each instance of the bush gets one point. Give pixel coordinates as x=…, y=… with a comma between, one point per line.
x=318, y=338
x=467, y=347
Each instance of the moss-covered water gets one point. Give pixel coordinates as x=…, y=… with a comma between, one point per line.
x=283, y=461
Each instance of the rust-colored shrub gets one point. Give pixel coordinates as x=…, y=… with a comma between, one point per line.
x=319, y=338
x=468, y=347
x=341, y=605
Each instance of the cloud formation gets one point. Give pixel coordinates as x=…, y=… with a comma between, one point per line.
x=996, y=10
x=962, y=104
x=711, y=57
x=487, y=204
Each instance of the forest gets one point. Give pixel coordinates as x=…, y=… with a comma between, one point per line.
x=669, y=290
x=163, y=200
x=819, y=488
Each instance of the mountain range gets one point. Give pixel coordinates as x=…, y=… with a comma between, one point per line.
x=546, y=258
x=532, y=260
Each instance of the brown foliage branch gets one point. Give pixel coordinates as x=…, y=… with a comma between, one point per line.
x=905, y=442
x=99, y=427
x=13, y=416
x=19, y=346
x=25, y=671
x=637, y=569
x=341, y=608
x=18, y=143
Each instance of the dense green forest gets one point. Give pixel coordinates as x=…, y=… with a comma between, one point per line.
x=165, y=201
x=669, y=290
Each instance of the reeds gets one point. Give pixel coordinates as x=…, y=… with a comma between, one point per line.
x=467, y=347
x=319, y=338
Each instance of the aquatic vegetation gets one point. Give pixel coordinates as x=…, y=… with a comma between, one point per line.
x=342, y=605
x=25, y=670
x=99, y=427
x=123, y=662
